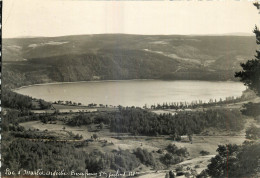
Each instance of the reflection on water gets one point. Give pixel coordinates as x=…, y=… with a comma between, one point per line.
x=134, y=92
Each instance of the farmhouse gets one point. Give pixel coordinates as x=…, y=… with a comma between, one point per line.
x=185, y=138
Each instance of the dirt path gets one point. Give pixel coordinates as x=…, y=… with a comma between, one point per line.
x=198, y=164
x=154, y=175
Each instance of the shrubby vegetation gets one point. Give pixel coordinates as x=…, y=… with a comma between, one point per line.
x=22, y=153
x=251, y=109
x=175, y=155
x=173, y=149
x=169, y=159
x=253, y=132
x=122, y=160
x=15, y=117
x=12, y=118
x=145, y=157
x=25, y=154
x=81, y=119
x=44, y=105
x=20, y=132
x=23, y=103
x=32, y=135
x=46, y=118
x=14, y=100
x=203, y=152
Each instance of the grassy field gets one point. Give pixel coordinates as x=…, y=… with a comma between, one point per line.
x=200, y=142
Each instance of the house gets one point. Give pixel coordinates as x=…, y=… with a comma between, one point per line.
x=185, y=138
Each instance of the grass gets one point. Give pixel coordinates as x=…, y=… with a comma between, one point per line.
x=60, y=106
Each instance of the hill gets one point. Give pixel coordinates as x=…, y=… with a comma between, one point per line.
x=120, y=56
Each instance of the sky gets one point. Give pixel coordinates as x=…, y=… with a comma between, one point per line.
x=24, y=18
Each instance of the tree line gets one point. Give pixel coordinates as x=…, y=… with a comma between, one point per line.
x=14, y=100
x=23, y=103
x=196, y=104
x=142, y=122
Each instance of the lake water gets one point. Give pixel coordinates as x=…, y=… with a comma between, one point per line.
x=134, y=92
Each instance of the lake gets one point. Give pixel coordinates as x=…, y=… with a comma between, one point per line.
x=134, y=92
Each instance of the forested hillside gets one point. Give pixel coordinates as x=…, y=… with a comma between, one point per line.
x=118, y=56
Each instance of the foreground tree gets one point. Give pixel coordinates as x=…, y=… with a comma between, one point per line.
x=250, y=75
x=241, y=161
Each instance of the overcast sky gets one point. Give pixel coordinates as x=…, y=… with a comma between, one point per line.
x=59, y=18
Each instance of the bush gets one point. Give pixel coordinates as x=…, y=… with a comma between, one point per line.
x=169, y=159
x=197, y=166
x=251, y=109
x=160, y=151
x=94, y=136
x=145, y=157
x=179, y=168
x=204, y=153
x=123, y=160
x=253, y=132
x=173, y=149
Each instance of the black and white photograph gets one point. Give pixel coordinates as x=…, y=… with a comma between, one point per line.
x=114, y=89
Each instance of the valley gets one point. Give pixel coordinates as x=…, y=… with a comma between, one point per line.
x=187, y=115
x=122, y=57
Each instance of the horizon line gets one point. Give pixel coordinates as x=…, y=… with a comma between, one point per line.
x=213, y=34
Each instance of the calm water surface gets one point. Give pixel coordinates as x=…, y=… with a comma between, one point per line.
x=134, y=92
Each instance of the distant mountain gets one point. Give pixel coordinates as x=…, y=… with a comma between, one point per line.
x=240, y=34
x=120, y=56
x=226, y=34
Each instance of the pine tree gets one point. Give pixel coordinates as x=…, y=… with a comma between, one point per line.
x=250, y=75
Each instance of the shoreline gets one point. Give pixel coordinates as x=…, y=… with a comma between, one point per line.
x=97, y=81
x=136, y=81
x=84, y=81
